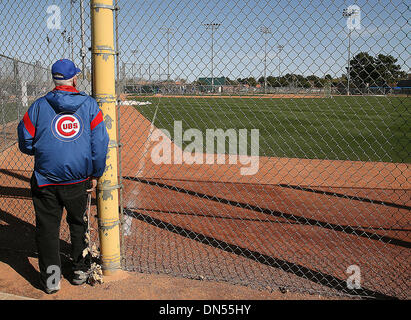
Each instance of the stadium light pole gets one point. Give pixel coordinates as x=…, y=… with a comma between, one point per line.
x=48, y=51
x=265, y=31
x=134, y=52
x=213, y=27
x=83, y=50
x=168, y=32
x=347, y=13
x=63, y=35
x=280, y=48
x=72, y=2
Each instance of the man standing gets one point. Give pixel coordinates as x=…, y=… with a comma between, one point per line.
x=65, y=132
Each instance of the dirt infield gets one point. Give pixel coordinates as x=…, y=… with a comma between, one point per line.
x=8, y=135
x=19, y=266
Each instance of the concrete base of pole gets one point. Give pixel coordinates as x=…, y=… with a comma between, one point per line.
x=114, y=275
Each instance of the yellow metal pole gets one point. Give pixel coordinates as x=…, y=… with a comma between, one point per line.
x=103, y=55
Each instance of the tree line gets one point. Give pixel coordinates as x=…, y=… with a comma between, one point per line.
x=364, y=70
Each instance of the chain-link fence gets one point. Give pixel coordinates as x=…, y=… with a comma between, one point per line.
x=264, y=143
x=20, y=83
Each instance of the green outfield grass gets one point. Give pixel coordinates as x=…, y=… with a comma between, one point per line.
x=337, y=128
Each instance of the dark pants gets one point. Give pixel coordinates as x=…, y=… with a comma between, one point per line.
x=48, y=204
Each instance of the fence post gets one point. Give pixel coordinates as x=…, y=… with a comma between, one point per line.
x=103, y=55
x=17, y=86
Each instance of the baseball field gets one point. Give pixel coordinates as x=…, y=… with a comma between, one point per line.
x=332, y=191
x=299, y=222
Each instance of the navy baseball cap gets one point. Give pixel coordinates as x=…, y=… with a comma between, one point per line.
x=64, y=69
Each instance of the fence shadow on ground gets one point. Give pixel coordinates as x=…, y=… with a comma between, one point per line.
x=353, y=230
x=299, y=270
x=289, y=267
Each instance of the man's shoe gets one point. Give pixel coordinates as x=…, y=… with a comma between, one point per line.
x=50, y=289
x=80, y=277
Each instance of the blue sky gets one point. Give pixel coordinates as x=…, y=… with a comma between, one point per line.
x=313, y=33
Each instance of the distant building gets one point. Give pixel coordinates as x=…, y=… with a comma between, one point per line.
x=206, y=84
x=404, y=83
x=403, y=86
x=217, y=81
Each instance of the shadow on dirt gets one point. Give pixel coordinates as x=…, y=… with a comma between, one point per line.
x=299, y=270
x=17, y=245
x=289, y=267
x=293, y=218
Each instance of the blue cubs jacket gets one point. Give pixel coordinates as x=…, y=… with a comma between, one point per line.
x=65, y=132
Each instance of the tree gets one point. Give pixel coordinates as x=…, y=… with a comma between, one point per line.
x=251, y=82
x=230, y=82
x=273, y=82
x=378, y=71
x=182, y=81
x=362, y=70
x=315, y=81
x=388, y=71
x=295, y=80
